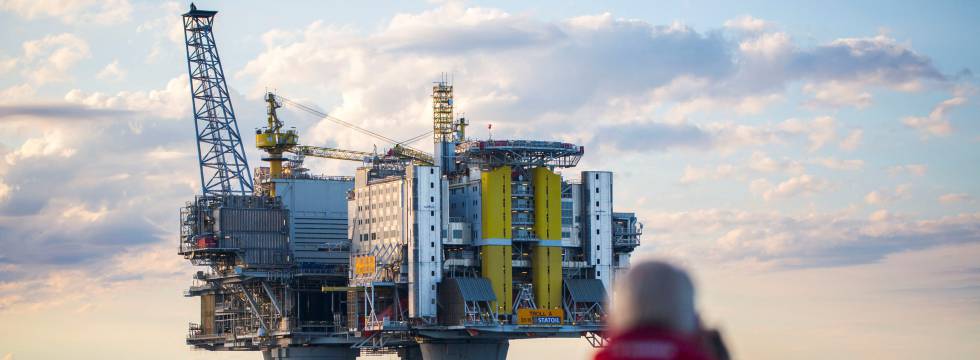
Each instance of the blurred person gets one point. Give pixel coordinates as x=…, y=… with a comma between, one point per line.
x=652, y=317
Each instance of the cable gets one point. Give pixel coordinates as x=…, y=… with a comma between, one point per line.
x=349, y=125
x=417, y=138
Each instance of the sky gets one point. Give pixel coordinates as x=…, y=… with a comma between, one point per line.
x=814, y=165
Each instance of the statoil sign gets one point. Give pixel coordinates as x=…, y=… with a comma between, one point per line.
x=540, y=316
x=364, y=265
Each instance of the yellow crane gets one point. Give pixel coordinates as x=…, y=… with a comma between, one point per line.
x=275, y=140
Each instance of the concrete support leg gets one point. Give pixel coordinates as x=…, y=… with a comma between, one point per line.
x=311, y=353
x=410, y=353
x=465, y=350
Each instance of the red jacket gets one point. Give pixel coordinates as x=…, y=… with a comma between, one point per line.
x=651, y=344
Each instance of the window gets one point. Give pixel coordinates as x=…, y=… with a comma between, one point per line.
x=432, y=171
x=433, y=273
x=433, y=199
x=598, y=273
x=432, y=185
x=432, y=227
x=597, y=217
x=596, y=204
x=457, y=234
x=597, y=176
x=433, y=258
x=432, y=213
x=432, y=244
x=597, y=247
x=598, y=261
x=597, y=231
x=596, y=190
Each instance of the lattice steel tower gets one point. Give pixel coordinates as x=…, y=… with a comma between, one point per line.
x=224, y=169
x=442, y=111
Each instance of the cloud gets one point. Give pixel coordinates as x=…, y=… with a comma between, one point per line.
x=694, y=174
x=747, y=23
x=763, y=163
x=76, y=288
x=170, y=102
x=879, y=60
x=782, y=240
x=835, y=94
x=953, y=198
x=83, y=188
x=914, y=169
x=51, y=143
x=18, y=94
x=112, y=72
x=654, y=137
x=937, y=122
x=884, y=196
x=51, y=58
x=167, y=33
x=58, y=111
x=837, y=164
x=795, y=186
x=4, y=190
x=516, y=72
x=819, y=131
x=853, y=140
x=104, y=12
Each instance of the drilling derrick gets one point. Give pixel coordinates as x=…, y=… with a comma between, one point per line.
x=443, y=126
x=221, y=155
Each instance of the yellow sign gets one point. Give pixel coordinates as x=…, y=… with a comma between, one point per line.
x=364, y=265
x=540, y=316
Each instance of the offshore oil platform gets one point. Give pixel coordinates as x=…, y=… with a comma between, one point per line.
x=445, y=255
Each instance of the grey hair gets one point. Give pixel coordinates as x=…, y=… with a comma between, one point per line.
x=654, y=293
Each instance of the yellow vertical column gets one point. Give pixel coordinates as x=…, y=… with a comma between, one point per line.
x=546, y=258
x=495, y=253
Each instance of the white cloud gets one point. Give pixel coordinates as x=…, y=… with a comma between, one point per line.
x=170, y=102
x=937, y=122
x=792, y=187
x=781, y=239
x=18, y=94
x=837, y=94
x=770, y=46
x=838, y=164
x=853, y=140
x=51, y=58
x=4, y=191
x=763, y=163
x=7, y=64
x=819, y=131
x=747, y=23
x=112, y=72
x=659, y=78
x=885, y=196
x=101, y=12
x=914, y=169
x=953, y=198
x=52, y=143
x=694, y=174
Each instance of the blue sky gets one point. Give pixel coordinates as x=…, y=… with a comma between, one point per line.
x=813, y=164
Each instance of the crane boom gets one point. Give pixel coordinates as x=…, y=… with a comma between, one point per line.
x=330, y=153
x=419, y=157
x=221, y=156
